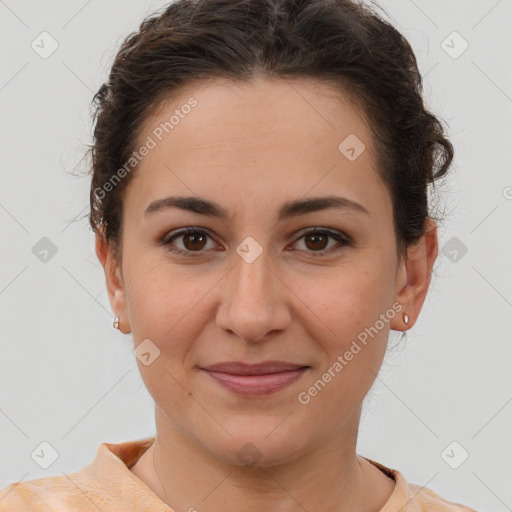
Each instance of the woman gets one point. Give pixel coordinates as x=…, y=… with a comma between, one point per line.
x=260, y=201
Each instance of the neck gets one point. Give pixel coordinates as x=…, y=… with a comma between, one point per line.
x=331, y=478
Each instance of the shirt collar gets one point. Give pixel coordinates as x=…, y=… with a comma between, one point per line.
x=112, y=463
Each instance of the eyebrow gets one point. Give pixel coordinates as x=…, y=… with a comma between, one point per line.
x=291, y=209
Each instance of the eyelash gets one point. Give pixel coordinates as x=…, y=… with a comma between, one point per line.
x=339, y=237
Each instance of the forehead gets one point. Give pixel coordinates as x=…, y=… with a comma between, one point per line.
x=262, y=108
x=261, y=136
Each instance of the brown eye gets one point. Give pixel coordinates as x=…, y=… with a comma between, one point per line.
x=317, y=242
x=192, y=241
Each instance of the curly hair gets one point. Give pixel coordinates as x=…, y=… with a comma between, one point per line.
x=341, y=42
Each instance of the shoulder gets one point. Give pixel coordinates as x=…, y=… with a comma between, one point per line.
x=429, y=501
x=415, y=498
x=106, y=484
x=57, y=493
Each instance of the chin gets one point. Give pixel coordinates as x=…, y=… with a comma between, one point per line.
x=258, y=447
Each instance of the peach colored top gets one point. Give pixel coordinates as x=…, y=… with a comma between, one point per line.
x=107, y=485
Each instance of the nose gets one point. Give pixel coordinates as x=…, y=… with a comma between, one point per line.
x=254, y=303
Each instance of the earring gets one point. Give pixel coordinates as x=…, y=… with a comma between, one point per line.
x=116, y=323
x=406, y=318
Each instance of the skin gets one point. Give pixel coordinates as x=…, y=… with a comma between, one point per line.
x=251, y=147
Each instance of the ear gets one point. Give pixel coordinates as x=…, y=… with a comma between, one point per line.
x=114, y=280
x=413, y=277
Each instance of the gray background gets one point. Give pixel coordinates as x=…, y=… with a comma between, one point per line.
x=68, y=378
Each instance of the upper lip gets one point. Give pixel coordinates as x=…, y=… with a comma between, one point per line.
x=264, y=368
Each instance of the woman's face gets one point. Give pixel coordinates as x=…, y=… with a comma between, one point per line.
x=256, y=285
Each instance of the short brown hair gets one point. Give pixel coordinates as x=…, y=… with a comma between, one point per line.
x=342, y=42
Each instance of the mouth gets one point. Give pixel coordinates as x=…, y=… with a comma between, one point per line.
x=255, y=379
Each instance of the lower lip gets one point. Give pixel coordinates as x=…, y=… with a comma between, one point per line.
x=257, y=385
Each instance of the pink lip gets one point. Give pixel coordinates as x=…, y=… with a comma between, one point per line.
x=257, y=379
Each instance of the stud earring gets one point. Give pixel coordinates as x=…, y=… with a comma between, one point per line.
x=406, y=318
x=116, y=323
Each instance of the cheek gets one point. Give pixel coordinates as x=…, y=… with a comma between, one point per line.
x=351, y=326
x=161, y=301
x=346, y=302
x=351, y=362
x=166, y=309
